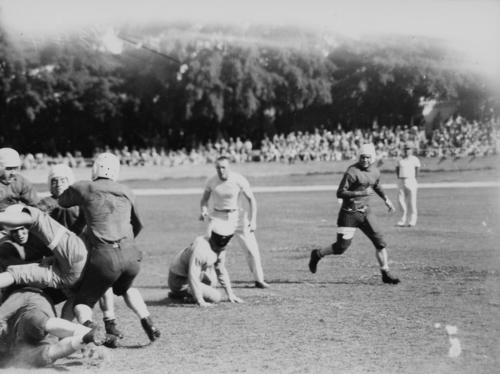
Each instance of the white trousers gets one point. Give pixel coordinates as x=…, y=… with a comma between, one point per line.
x=246, y=238
x=407, y=198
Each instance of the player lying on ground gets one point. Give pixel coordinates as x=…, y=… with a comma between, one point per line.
x=112, y=224
x=27, y=317
x=359, y=182
x=190, y=272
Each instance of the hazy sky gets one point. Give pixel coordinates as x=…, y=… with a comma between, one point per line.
x=471, y=25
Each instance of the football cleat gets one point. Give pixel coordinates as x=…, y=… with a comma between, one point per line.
x=261, y=284
x=95, y=335
x=111, y=329
x=388, y=278
x=151, y=331
x=313, y=261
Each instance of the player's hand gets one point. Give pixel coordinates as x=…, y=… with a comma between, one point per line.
x=369, y=191
x=388, y=204
x=203, y=215
x=235, y=299
x=252, y=226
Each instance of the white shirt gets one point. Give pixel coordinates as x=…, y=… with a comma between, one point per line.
x=407, y=167
x=225, y=193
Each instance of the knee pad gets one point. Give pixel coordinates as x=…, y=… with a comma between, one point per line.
x=341, y=245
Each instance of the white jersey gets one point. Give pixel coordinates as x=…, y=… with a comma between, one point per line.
x=225, y=193
x=204, y=257
x=407, y=167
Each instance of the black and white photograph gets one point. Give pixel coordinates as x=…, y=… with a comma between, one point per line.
x=235, y=186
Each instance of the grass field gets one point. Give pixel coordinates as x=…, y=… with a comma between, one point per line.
x=340, y=320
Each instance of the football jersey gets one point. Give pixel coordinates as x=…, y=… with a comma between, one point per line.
x=18, y=191
x=357, y=179
x=108, y=208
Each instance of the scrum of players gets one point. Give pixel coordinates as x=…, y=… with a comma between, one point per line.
x=77, y=247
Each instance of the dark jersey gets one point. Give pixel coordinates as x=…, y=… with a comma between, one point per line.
x=18, y=191
x=108, y=207
x=354, y=184
x=71, y=218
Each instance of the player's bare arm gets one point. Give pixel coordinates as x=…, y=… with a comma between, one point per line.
x=135, y=221
x=247, y=192
x=204, y=204
x=223, y=277
x=194, y=275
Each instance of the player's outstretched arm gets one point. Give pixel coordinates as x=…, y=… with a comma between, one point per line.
x=223, y=277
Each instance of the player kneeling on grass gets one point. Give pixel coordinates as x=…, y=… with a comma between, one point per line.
x=27, y=320
x=359, y=182
x=63, y=269
x=191, y=269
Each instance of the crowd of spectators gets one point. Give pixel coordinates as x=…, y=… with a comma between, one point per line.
x=455, y=138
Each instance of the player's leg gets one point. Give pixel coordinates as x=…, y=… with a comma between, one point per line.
x=371, y=230
x=6, y=279
x=73, y=337
x=178, y=286
x=131, y=258
x=107, y=305
x=402, y=202
x=210, y=294
x=412, y=203
x=33, y=274
x=346, y=227
x=102, y=270
x=248, y=242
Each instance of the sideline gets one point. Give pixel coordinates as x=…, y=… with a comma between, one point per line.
x=318, y=188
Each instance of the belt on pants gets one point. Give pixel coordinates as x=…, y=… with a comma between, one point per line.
x=225, y=210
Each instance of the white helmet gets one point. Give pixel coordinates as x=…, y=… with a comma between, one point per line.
x=61, y=171
x=368, y=149
x=9, y=158
x=14, y=208
x=106, y=165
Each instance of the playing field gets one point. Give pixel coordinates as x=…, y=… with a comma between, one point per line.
x=443, y=318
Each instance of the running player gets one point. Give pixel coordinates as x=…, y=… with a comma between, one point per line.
x=112, y=224
x=224, y=189
x=360, y=181
x=190, y=272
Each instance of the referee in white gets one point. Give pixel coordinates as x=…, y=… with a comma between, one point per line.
x=224, y=189
x=407, y=170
